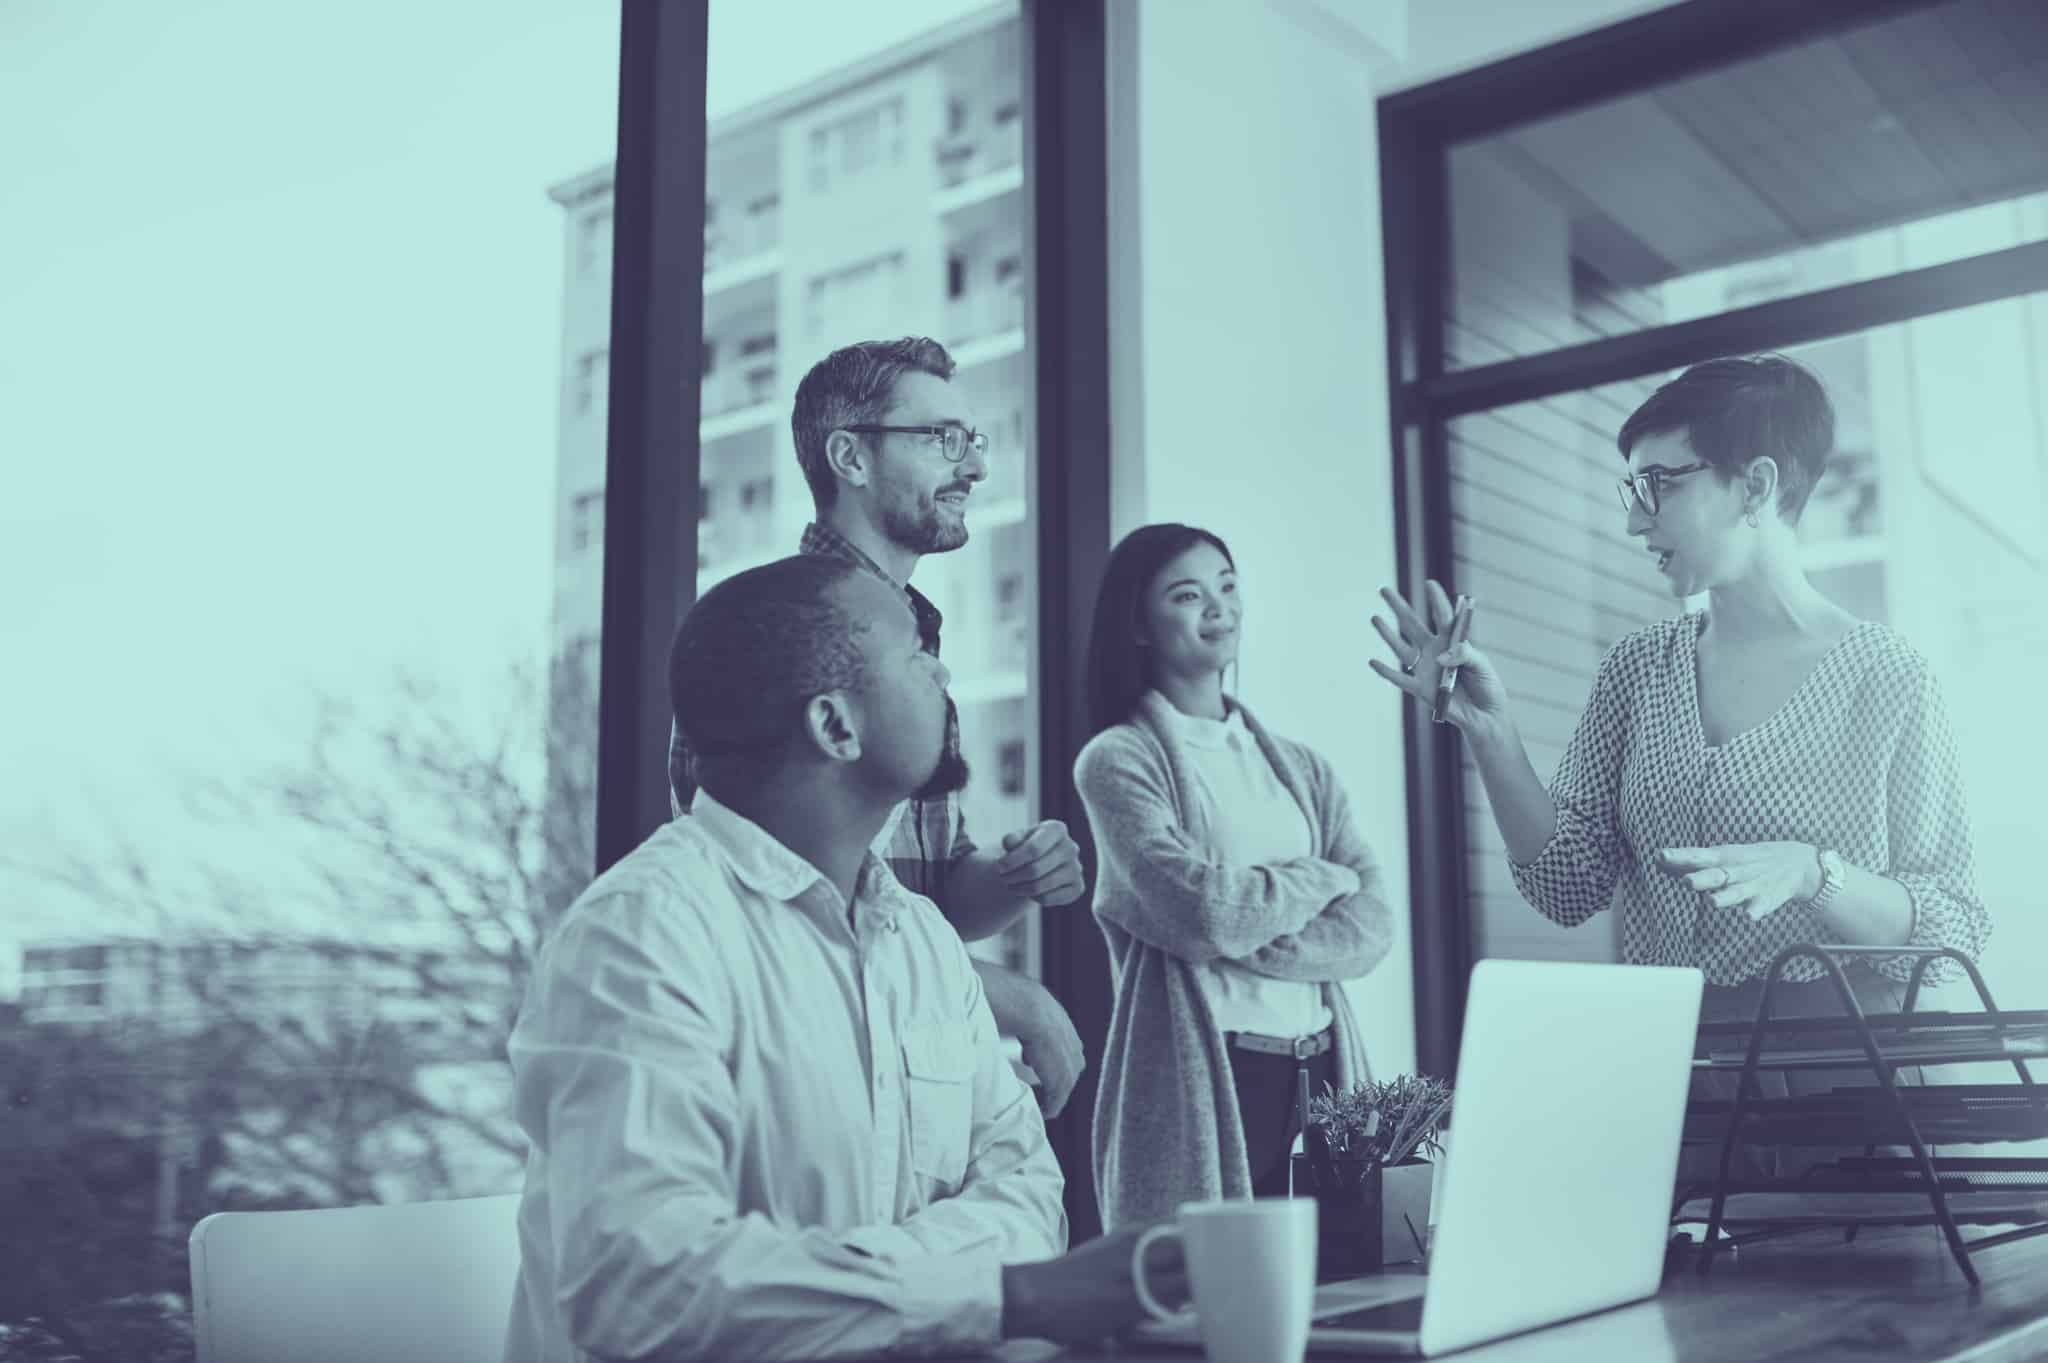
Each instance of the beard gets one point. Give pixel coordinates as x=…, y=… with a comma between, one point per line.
x=924, y=528
x=950, y=772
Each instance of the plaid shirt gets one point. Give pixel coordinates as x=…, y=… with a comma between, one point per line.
x=923, y=838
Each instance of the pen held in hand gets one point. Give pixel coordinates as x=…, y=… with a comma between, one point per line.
x=1447, y=679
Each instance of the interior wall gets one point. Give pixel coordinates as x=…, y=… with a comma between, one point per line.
x=1248, y=329
x=1259, y=410
x=1448, y=36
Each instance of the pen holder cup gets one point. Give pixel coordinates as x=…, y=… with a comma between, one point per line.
x=1368, y=1215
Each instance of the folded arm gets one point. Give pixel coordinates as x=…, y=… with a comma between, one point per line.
x=1184, y=900
x=1354, y=933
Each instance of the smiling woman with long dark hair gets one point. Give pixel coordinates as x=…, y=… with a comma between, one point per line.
x=1233, y=889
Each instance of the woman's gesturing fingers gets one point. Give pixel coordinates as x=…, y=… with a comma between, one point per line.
x=1407, y=652
x=1440, y=609
x=1414, y=628
x=1406, y=681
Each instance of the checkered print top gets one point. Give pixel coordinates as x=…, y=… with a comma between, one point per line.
x=926, y=837
x=1861, y=760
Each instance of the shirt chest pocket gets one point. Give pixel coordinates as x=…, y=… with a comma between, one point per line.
x=938, y=1067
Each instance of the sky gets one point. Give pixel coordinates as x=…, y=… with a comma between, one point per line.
x=280, y=306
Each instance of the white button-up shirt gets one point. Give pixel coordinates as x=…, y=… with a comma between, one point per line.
x=760, y=1128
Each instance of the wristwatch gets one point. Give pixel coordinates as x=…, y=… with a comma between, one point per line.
x=1831, y=874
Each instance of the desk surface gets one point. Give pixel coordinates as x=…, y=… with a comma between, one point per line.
x=1808, y=1298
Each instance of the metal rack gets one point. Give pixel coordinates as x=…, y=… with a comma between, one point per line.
x=1868, y=1191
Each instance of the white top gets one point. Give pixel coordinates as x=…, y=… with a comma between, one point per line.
x=1256, y=821
x=757, y=1129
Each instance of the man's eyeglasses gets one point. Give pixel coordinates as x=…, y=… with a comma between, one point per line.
x=1647, y=487
x=953, y=441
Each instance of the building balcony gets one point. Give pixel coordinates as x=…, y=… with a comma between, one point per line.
x=733, y=400
x=963, y=160
x=734, y=538
x=988, y=187
x=738, y=272
x=732, y=421
x=987, y=348
x=987, y=307
x=751, y=238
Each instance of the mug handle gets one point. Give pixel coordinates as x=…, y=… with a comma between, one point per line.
x=1145, y=1297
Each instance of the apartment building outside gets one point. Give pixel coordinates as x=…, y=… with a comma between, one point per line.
x=882, y=200
x=1939, y=475
x=185, y=985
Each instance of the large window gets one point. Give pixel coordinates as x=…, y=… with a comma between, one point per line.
x=884, y=188
x=298, y=749
x=1781, y=174
x=1868, y=200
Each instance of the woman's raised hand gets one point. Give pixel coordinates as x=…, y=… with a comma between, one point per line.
x=1422, y=648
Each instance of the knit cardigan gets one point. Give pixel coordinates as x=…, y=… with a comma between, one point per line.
x=1167, y=1128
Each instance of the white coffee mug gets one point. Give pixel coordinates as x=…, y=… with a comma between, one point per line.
x=1252, y=1265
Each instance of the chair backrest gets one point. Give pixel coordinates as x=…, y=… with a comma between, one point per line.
x=381, y=1284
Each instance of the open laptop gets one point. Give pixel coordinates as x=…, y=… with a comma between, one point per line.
x=1555, y=1196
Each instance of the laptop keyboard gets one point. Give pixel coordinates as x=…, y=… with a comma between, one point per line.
x=1402, y=1317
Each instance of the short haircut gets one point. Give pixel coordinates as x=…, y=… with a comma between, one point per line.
x=850, y=387
x=753, y=653
x=1734, y=409
x=1116, y=670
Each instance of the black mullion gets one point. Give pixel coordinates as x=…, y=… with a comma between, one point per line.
x=651, y=457
x=1622, y=59
x=1840, y=311
x=1066, y=188
x=1414, y=191
x=1417, y=128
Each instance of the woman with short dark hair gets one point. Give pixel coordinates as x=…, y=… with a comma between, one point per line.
x=1233, y=889
x=1767, y=771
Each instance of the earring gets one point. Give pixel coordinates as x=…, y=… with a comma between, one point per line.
x=1751, y=518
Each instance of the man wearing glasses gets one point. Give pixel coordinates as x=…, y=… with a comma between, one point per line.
x=888, y=447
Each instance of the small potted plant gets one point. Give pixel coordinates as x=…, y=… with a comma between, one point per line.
x=1367, y=1166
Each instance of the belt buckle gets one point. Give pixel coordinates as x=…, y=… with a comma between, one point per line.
x=1304, y=1047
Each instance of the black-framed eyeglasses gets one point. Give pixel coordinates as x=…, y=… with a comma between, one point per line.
x=953, y=441
x=1646, y=487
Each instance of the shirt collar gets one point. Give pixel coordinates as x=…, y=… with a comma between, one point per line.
x=771, y=870
x=821, y=539
x=1197, y=731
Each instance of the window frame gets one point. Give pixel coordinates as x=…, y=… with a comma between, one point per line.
x=653, y=465
x=1417, y=128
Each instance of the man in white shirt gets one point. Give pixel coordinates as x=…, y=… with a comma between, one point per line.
x=768, y=1113
x=886, y=441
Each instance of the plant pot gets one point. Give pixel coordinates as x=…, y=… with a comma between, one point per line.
x=1367, y=1216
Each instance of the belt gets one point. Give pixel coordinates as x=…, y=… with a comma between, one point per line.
x=1300, y=1047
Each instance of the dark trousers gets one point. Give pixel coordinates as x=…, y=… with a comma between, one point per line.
x=1269, y=1108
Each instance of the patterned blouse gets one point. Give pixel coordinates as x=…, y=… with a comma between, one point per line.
x=1861, y=760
